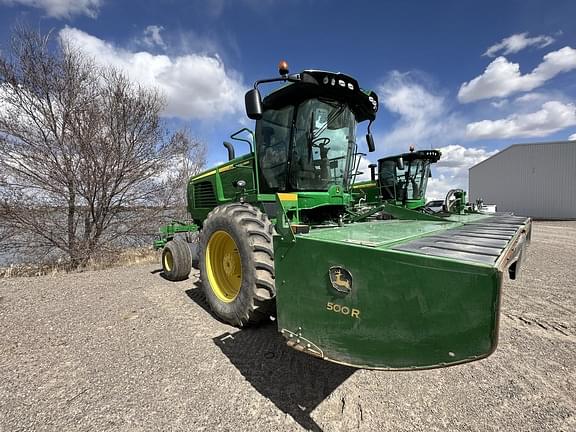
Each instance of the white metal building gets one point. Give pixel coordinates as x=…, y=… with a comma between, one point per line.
x=536, y=180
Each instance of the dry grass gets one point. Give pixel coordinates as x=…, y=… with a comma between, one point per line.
x=122, y=258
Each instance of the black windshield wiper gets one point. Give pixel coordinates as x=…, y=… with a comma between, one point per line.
x=310, y=136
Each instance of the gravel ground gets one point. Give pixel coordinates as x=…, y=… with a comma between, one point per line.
x=126, y=350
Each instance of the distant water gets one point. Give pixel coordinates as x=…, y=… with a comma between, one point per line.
x=145, y=237
x=14, y=257
x=11, y=258
x=8, y=258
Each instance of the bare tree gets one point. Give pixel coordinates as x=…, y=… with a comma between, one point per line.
x=188, y=159
x=82, y=154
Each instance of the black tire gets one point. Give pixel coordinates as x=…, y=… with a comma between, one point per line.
x=176, y=260
x=192, y=240
x=194, y=244
x=252, y=233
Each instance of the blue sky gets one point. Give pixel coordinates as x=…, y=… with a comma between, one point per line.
x=467, y=77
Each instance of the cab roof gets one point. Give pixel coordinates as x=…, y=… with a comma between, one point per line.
x=314, y=83
x=431, y=155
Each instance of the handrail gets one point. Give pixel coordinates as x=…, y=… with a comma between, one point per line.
x=234, y=137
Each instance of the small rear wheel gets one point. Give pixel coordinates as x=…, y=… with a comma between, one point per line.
x=176, y=260
x=237, y=263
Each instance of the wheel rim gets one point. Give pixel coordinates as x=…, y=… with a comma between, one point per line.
x=223, y=266
x=168, y=260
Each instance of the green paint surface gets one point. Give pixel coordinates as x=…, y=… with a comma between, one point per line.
x=415, y=311
x=379, y=233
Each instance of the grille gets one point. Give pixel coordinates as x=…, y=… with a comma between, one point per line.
x=204, y=196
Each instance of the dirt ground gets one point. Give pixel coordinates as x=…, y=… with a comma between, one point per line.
x=125, y=350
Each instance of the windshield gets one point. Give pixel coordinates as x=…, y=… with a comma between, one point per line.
x=404, y=184
x=307, y=148
x=324, y=143
x=273, y=138
x=388, y=181
x=417, y=179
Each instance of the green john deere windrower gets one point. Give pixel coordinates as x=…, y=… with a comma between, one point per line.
x=280, y=234
x=398, y=189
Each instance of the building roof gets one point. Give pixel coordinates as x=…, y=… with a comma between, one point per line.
x=522, y=145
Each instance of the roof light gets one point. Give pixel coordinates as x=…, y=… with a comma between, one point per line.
x=283, y=68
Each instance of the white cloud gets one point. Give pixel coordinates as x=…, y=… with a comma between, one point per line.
x=572, y=137
x=438, y=187
x=499, y=103
x=401, y=95
x=424, y=117
x=196, y=85
x=532, y=97
x=363, y=168
x=152, y=36
x=518, y=42
x=552, y=117
x=456, y=157
x=451, y=171
x=61, y=8
x=502, y=78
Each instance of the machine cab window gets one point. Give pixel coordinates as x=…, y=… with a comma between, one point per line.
x=273, y=133
x=413, y=179
x=406, y=181
x=324, y=137
x=306, y=148
x=387, y=179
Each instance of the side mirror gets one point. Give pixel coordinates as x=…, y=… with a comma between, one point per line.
x=400, y=164
x=370, y=142
x=253, y=103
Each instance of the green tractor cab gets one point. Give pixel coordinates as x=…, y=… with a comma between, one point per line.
x=403, y=179
x=280, y=233
x=399, y=186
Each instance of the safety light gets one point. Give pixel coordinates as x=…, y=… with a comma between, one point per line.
x=283, y=68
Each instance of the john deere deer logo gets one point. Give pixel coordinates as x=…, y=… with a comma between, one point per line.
x=341, y=282
x=341, y=279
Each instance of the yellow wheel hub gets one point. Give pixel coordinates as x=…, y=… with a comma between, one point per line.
x=168, y=260
x=223, y=266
